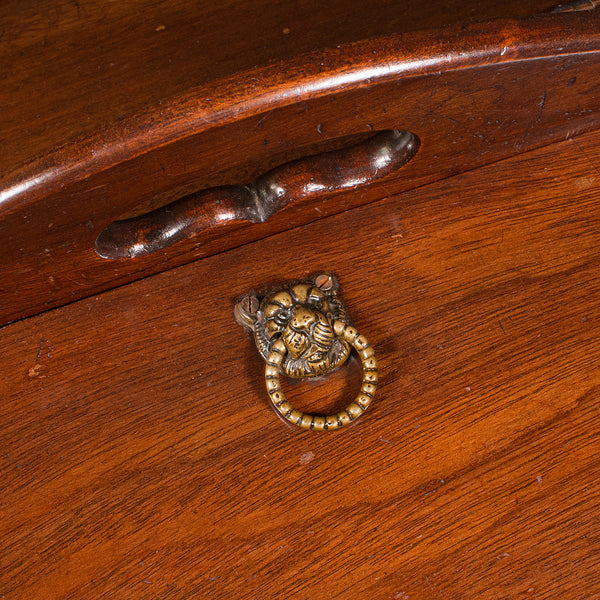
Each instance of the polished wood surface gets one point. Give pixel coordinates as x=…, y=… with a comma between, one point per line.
x=473, y=94
x=72, y=68
x=301, y=181
x=140, y=458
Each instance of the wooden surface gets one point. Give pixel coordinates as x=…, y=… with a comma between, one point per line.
x=70, y=68
x=307, y=180
x=473, y=94
x=140, y=459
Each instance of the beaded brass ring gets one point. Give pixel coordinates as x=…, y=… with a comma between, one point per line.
x=302, y=330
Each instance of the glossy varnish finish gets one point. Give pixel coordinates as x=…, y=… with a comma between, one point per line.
x=71, y=69
x=299, y=181
x=472, y=94
x=140, y=459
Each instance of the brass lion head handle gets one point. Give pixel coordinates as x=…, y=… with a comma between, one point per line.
x=303, y=330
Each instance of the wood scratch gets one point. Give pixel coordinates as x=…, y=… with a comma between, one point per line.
x=541, y=105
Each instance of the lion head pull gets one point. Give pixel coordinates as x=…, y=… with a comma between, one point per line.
x=302, y=329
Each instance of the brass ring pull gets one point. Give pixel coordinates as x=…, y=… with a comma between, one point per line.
x=302, y=329
x=320, y=422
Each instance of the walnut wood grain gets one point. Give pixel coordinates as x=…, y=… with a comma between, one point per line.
x=472, y=94
x=69, y=69
x=140, y=457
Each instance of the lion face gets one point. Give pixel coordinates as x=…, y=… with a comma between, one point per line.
x=302, y=316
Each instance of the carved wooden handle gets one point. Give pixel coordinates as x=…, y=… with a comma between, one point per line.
x=295, y=181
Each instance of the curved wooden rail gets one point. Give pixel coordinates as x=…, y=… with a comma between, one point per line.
x=322, y=73
x=303, y=179
x=472, y=94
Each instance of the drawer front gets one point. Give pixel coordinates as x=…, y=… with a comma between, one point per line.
x=140, y=456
